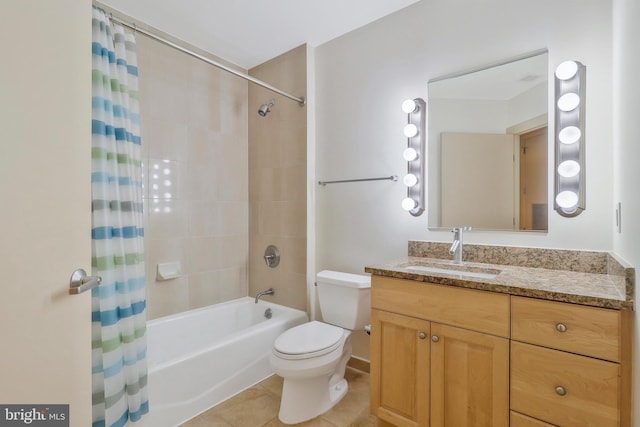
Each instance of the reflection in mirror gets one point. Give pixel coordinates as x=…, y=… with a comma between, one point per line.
x=487, y=133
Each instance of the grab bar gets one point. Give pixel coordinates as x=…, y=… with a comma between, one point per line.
x=80, y=282
x=384, y=178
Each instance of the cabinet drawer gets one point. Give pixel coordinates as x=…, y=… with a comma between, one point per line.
x=467, y=308
x=579, y=329
x=588, y=396
x=519, y=420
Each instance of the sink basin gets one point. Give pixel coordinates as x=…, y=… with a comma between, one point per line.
x=487, y=274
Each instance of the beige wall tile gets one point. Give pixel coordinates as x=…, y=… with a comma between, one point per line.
x=194, y=125
x=196, y=122
x=277, y=181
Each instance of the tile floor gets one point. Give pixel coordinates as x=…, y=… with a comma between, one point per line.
x=258, y=406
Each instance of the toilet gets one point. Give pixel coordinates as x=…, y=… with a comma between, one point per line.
x=312, y=357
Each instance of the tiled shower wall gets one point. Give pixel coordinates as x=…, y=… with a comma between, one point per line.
x=278, y=180
x=195, y=151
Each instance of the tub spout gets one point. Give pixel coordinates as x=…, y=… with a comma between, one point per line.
x=269, y=291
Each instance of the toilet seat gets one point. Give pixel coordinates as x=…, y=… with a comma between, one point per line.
x=308, y=340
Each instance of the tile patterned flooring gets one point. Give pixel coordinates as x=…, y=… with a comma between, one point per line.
x=258, y=406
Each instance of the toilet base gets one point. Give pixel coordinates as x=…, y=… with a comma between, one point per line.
x=303, y=400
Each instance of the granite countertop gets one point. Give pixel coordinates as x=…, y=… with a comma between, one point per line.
x=610, y=286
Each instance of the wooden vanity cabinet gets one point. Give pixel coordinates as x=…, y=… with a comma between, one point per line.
x=436, y=355
x=446, y=356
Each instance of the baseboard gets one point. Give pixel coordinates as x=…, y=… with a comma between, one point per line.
x=359, y=364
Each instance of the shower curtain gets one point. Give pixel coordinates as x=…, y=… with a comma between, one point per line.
x=119, y=366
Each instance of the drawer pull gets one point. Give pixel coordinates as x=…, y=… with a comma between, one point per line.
x=561, y=390
x=435, y=338
x=561, y=327
x=422, y=335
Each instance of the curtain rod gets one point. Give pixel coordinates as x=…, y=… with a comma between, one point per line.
x=182, y=49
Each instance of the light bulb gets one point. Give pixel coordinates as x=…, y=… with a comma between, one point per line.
x=410, y=130
x=410, y=154
x=568, y=101
x=567, y=199
x=566, y=70
x=409, y=204
x=410, y=180
x=569, y=135
x=409, y=106
x=569, y=168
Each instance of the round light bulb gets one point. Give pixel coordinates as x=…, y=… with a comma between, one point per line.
x=410, y=180
x=410, y=154
x=568, y=101
x=409, y=106
x=410, y=130
x=567, y=199
x=569, y=168
x=566, y=70
x=409, y=204
x=569, y=135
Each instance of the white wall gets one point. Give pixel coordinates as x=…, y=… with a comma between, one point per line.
x=363, y=77
x=626, y=148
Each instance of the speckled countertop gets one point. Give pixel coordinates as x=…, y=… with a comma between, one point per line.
x=597, y=279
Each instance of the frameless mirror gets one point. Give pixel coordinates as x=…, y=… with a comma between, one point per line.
x=487, y=139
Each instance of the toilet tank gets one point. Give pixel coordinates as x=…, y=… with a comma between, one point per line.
x=345, y=298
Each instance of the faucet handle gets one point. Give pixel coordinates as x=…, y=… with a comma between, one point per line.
x=459, y=229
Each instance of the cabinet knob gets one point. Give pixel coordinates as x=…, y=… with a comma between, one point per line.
x=561, y=390
x=561, y=327
x=435, y=338
x=422, y=335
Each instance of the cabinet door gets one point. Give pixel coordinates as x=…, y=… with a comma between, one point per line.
x=399, y=369
x=469, y=378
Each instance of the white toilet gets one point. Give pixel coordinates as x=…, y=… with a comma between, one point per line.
x=312, y=357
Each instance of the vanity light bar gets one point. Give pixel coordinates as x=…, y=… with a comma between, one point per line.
x=569, y=196
x=415, y=155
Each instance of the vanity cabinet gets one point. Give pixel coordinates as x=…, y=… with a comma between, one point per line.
x=445, y=356
x=439, y=355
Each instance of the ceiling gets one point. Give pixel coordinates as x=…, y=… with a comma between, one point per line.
x=250, y=32
x=499, y=82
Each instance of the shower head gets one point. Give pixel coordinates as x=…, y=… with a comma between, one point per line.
x=265, y=108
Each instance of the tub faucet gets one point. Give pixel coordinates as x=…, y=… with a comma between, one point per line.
x=456, y=246
x=269, y=291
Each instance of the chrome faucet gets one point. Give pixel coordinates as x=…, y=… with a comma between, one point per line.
x=456, y=246
x=269, y=291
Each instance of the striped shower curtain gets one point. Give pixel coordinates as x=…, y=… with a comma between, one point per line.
x=119, y=346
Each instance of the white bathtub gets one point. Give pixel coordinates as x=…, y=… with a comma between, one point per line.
x=199, y=358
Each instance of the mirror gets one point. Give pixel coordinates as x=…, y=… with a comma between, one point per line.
x=487, y=146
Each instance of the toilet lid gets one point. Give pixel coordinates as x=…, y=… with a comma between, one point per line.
x=312, y=337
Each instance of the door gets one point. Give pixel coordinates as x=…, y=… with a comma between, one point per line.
x=533, y=180
x=399, y=369
x=469, y=378
x=478, y=180
x=45, y=164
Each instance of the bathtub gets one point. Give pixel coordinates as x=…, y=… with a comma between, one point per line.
x=202, y=357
